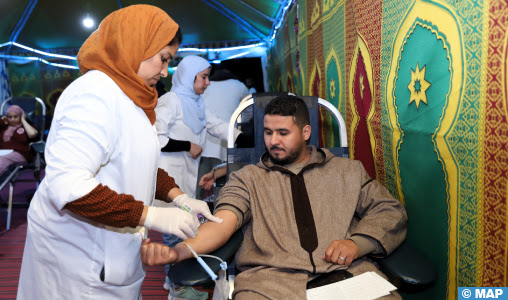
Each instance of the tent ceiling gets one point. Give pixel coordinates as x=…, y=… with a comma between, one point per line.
x=57, y=24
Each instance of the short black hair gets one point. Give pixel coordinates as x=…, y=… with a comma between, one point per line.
x=289, y=105
x=177, y=39
x=222, y=74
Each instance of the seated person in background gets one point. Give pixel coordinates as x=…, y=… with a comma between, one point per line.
x=221, y=99
x=303, y=212
x=16, y=134
x=206, y=182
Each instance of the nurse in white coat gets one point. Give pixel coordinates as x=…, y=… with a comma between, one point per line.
x=181, y=117
x=90, y=214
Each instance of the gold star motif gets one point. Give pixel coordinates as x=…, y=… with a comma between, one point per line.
x=418, y=86
x=332, y=87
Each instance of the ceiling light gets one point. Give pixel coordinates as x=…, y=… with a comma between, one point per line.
x=88, y=22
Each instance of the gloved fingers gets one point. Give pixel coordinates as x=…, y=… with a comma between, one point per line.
x=195, y=224
x=179, y=199
x=197, y=206
x=212, y=218
x=190, y=228
x=183, y=235
x=200, y=207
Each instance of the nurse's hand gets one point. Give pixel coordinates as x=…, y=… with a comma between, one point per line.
x=195, y=150
x=197, y=207
x=172, y=220
x=156, y=254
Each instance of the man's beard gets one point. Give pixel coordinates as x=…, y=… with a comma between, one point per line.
x=291, y=157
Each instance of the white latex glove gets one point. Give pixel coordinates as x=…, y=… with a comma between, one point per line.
x=172, y=220
x=197, y=207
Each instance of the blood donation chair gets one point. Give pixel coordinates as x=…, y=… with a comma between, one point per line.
x=35, y=111
x=409, y=271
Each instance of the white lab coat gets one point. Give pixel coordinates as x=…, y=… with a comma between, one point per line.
x=180, y=165
x=98, y=135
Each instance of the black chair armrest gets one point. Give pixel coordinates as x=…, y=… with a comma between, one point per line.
x=190, y=273
x=38, y=147
x=220, y=182
x=408, y=269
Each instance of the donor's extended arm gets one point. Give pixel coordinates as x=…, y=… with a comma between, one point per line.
x=210, y=237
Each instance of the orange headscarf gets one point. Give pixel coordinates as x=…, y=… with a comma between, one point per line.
x=125, y=38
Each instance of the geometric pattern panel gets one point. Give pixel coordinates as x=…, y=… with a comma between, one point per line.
x=434, y=75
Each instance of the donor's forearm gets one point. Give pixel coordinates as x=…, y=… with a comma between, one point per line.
x=210, y=237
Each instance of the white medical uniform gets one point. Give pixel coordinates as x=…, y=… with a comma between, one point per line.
x=98, y=135
x=180, y=165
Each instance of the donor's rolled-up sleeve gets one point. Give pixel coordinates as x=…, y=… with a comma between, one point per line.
x=235, y=197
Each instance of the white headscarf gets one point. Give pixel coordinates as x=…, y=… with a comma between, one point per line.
x=193, y=107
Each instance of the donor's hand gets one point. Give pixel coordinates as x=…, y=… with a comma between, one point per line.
x=156, y=254
x=342, y=252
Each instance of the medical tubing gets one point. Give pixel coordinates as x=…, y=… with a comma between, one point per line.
x=202, y=262
x=207, y=268
x=206, y=255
